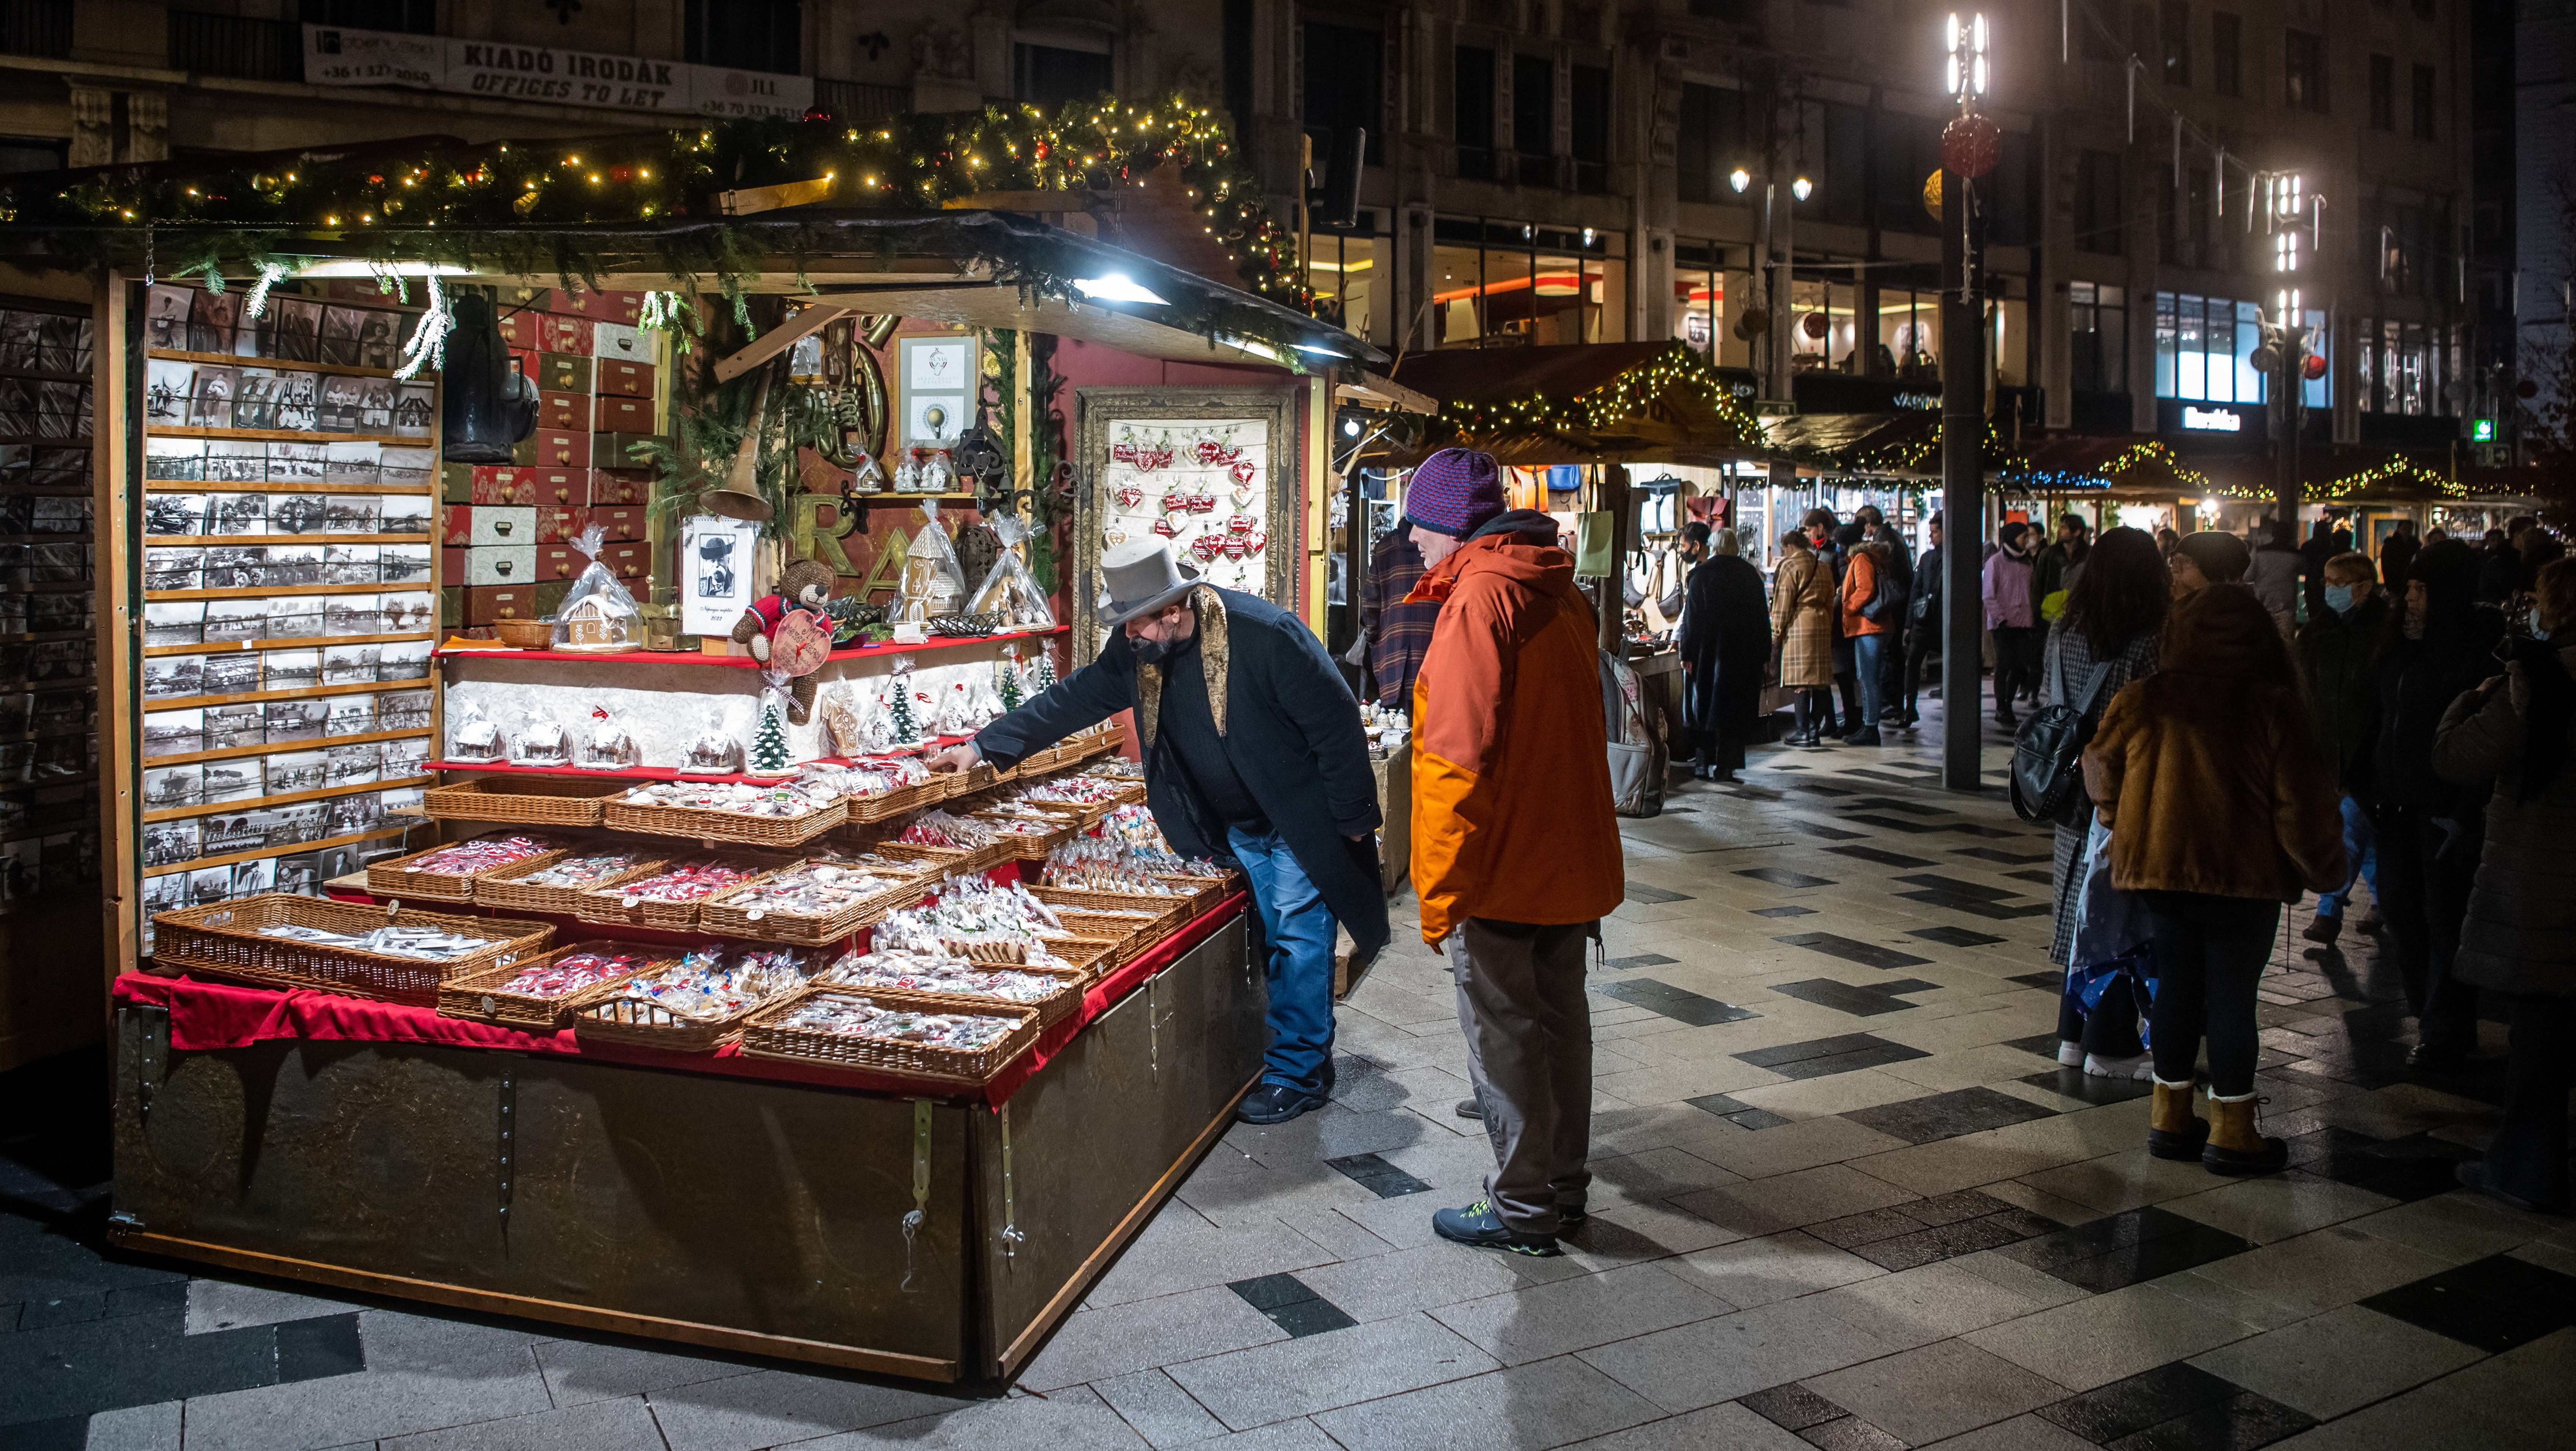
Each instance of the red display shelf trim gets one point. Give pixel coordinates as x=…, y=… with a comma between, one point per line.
x=667, y=773
x=735, y=662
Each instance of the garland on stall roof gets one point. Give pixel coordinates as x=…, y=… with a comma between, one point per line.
x=1629, y=395
x=2149, y=452
x=509, y=204
x=1915, y=454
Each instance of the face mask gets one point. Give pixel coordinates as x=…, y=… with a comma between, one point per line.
x=2537, y=632
x=2339, y=598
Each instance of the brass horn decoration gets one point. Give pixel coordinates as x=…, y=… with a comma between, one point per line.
x=861, y=404
x=740, y=497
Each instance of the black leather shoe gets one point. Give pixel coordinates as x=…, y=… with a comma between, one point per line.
x=1276, y=1103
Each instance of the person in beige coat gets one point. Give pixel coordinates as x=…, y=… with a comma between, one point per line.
x=1802, y=608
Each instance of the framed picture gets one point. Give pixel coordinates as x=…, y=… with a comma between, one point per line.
x=939, y=372
x=715, y=573
x=1211, y=470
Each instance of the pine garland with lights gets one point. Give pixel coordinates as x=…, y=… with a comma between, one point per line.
x=1630, y=395
x=510, y=203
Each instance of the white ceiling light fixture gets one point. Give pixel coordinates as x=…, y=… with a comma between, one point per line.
x=1116, y=287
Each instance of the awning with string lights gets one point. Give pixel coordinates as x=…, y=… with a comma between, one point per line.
x=1580, y=403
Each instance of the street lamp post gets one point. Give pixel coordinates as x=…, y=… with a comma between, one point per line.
x=1967, y=148
x=1780, y=223
x=2291, y=218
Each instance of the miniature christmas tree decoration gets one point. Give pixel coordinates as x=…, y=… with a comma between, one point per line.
x=768, y=755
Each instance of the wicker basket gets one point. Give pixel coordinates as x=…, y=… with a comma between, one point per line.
x=724, y=826
x=939, y=860
x=223, y=938
x=1170, y=912
x=895, y=803
x=1204, y=892
x=1052, y=1009
x=611, y=1019
x=1024, y=846
x=725, y=918
x=764, y=1039
x=608, y=905
x=507, y=890
x=478, y=996
x=526, y=800
x=396, y=878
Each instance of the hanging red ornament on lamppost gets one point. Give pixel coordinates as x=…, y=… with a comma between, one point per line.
x=1971, y=144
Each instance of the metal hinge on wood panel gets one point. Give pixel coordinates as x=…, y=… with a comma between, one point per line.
x=508, y=1168
x=151, y=1056
x=920, y=1211
x=1011, y=1235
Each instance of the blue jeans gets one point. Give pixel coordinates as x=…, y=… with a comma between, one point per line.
x=2361, y=850
x=1867, y=663
x=1298, y=929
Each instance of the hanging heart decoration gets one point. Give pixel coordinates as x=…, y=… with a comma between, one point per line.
x=1129, y=496
x=1227, y=455
x=1235, y=548
x=1256, y=541
x=1124, y=453
x=1243, y=471
x=1242, y=498
x=1154, y=458
x=1240, y=524
x=1165, y=527
x=1209, y=451
x=1203, y=504
x=1206, y=547
x=1175, y=501
x=1115, y=535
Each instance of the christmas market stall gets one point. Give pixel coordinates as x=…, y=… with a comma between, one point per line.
x=531, y=580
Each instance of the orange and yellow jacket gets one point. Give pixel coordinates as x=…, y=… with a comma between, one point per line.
x=1512, y=814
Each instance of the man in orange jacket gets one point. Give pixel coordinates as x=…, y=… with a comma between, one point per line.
x=1515, y=847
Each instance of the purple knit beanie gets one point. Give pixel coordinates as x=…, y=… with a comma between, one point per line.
x=1456, y=491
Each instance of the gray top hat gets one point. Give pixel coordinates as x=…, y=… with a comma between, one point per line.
x=1140, y=578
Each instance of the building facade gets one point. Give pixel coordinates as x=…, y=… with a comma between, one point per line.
x=1543, y=171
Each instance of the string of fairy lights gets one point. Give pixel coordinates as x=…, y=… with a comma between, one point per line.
x=440, y=199
x=1632, y=394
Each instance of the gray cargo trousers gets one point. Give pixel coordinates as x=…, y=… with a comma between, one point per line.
x=1529, y=1054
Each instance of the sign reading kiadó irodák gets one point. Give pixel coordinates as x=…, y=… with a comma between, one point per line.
x=335, y=55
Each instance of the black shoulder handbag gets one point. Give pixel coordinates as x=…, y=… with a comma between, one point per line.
x=2048, y=751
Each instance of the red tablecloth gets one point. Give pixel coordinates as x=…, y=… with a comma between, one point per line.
x=209, y=1015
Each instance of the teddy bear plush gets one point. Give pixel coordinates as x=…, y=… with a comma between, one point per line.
x=805, y=584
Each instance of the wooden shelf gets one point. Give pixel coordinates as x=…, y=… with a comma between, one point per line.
x=305, y=642
x=183, y=486
x=47, y=637
x=231, y=753
x=736, y=662
x=292, y=365
x=292, y=848
x=261, y=592
x=182, y=541
x=289, y=435
x=250, y=697
x=291, y=798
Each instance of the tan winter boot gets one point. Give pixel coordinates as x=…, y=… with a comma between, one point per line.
x=2174, y=1131
x=2234, y=1145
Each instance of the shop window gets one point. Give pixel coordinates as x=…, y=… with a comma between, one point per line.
x=2173, y=35
x=1345, y=85
x=2423, y=99
x=2404, y=367
x=1699, y=294
x=1534, y=119
x=2226, y=54
x=2099, y=317
x=2383, y=93
x=1051, y=76
x=2303, y=71
x=1589, y=95
x=2099, y=218
x=2204, y=349
x=1507, y=284
x=1344, y=270
x=1909, y=335
x=751, y=35
x=1472, y=111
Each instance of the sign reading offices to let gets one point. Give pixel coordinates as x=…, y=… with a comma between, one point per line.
x=335, y=55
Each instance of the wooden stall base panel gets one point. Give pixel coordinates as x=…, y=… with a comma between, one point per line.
x=560, y=1312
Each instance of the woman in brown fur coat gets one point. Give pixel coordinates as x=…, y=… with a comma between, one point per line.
x=1802, y=606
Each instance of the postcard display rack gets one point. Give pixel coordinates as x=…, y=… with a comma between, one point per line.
x=290, y=600
x=48, y=675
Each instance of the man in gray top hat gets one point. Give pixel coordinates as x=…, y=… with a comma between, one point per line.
x=1253, y=750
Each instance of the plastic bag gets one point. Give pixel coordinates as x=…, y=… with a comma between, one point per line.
x=932, y=584
x=543, y=741
x=857, y=721
x=712, y=751
x=610, y=745
x=903, y=708
x=1009, y=590
x=597, y=613
x=478, y=737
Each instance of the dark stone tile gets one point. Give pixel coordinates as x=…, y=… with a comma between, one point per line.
x=326, y=1345
x=1935, y=882
x=2241, y=1422
x=1987, y=833
x=2407, y=1169
x=1843, y=997
x=1818, y=788
x=1853, y=1231
x=1784, y=911
x=1953, y=936
x=1890, y=803
x=1643, y=959
x=2050, y=982
x=1783, y=877
x=2043, y=878
x=1779, y=1053
x=1829, y=833
x=1976, y=906
x=1953, y=1207
x=1742, y=1115
x=1851, y=1433
x=1757, y=1118
x=1269, y=1292
x=1675, y=1003
x=2150, y=1398
x=2494, y=1304
x=1310, y=1317
x=2126, y=1249
x=61, y=1433
x=1947, y=1115
x=1883, y=858
x=1792, y=1407
x=1824, y=1067
x=1376, y=1175
x=1994, y=854
x=2076, y=1083
x=1867, y=954
x=63, y=1310
x=2043, y=1044
x=1904, y=986
x=1941, y=1242
x=1895, y=823
x=129, y=1360
x=1638, y=892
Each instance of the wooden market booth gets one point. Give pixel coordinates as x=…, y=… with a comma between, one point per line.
x=917, y=1227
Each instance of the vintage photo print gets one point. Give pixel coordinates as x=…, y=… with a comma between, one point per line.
x=174, y=622
x=173, y=732
x=290, y=330
x=290, y=669
x=212, y=317
x=341, y=329
x=166, y=308
x=167, y=786
x=169, y=677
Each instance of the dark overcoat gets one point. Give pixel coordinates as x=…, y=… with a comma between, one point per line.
x=1725, y=643
x=1291, y=728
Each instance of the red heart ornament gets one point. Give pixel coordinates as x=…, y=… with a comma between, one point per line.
x=1129, y=496
x=1165, y=527
x=1204, y=504
x=1175, y=502
x=1243, y=471
x=1256, y=541
x=1209, y=451
x=1234, y=549
x=1206, y=547
x=1239, y=524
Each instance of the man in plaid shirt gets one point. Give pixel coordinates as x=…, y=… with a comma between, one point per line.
x=1397, y=633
